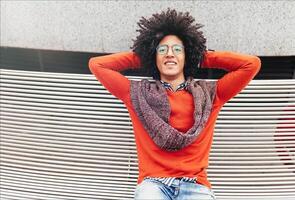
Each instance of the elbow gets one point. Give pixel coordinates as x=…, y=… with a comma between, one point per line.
x=91, y=63
x=255, y=62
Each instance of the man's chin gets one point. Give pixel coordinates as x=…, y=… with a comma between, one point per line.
x=170, y=76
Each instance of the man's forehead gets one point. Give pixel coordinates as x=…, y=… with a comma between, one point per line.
x=170, y=40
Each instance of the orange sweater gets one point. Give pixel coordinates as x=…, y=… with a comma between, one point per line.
x=191, y=161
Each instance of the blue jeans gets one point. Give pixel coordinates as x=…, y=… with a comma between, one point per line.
x=179, y=190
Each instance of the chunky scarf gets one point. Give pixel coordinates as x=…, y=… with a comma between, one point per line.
x=151, y=105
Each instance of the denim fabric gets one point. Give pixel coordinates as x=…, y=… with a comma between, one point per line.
x=179, y=190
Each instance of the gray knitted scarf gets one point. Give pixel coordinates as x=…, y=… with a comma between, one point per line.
x=151, y=105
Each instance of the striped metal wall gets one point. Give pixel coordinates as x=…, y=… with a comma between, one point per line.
x=63, y=136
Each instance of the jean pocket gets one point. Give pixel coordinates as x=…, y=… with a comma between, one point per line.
x=202, y=189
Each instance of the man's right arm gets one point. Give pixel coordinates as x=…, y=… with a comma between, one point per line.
x=105, y=69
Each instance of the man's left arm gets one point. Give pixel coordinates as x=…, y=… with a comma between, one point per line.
x=241, y=69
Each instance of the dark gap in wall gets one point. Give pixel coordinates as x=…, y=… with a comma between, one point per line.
x=273, y=67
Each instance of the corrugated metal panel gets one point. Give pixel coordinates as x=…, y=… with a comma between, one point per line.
x=63, y=136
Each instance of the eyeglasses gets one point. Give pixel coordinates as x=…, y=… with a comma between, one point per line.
x=176, y=49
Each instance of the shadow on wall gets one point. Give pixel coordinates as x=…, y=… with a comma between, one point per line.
x=283, y=136
x=273, y=67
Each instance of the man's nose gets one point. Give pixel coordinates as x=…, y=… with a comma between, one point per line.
x=170, y=52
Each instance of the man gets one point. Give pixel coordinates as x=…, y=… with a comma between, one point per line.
x=173, y=119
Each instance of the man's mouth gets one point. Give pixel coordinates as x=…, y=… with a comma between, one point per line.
x=170, y=63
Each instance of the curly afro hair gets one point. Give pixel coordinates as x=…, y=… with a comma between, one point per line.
x=171, y=22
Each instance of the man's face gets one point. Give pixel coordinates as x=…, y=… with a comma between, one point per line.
x=170, y=58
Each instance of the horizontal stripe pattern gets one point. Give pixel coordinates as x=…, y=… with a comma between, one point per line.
x=169, y=180
x=63, y=136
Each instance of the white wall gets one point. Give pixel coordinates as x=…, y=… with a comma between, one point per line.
x=256, y=27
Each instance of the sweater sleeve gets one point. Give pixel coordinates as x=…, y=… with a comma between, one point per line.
x=241, y=70
x=106, y=70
